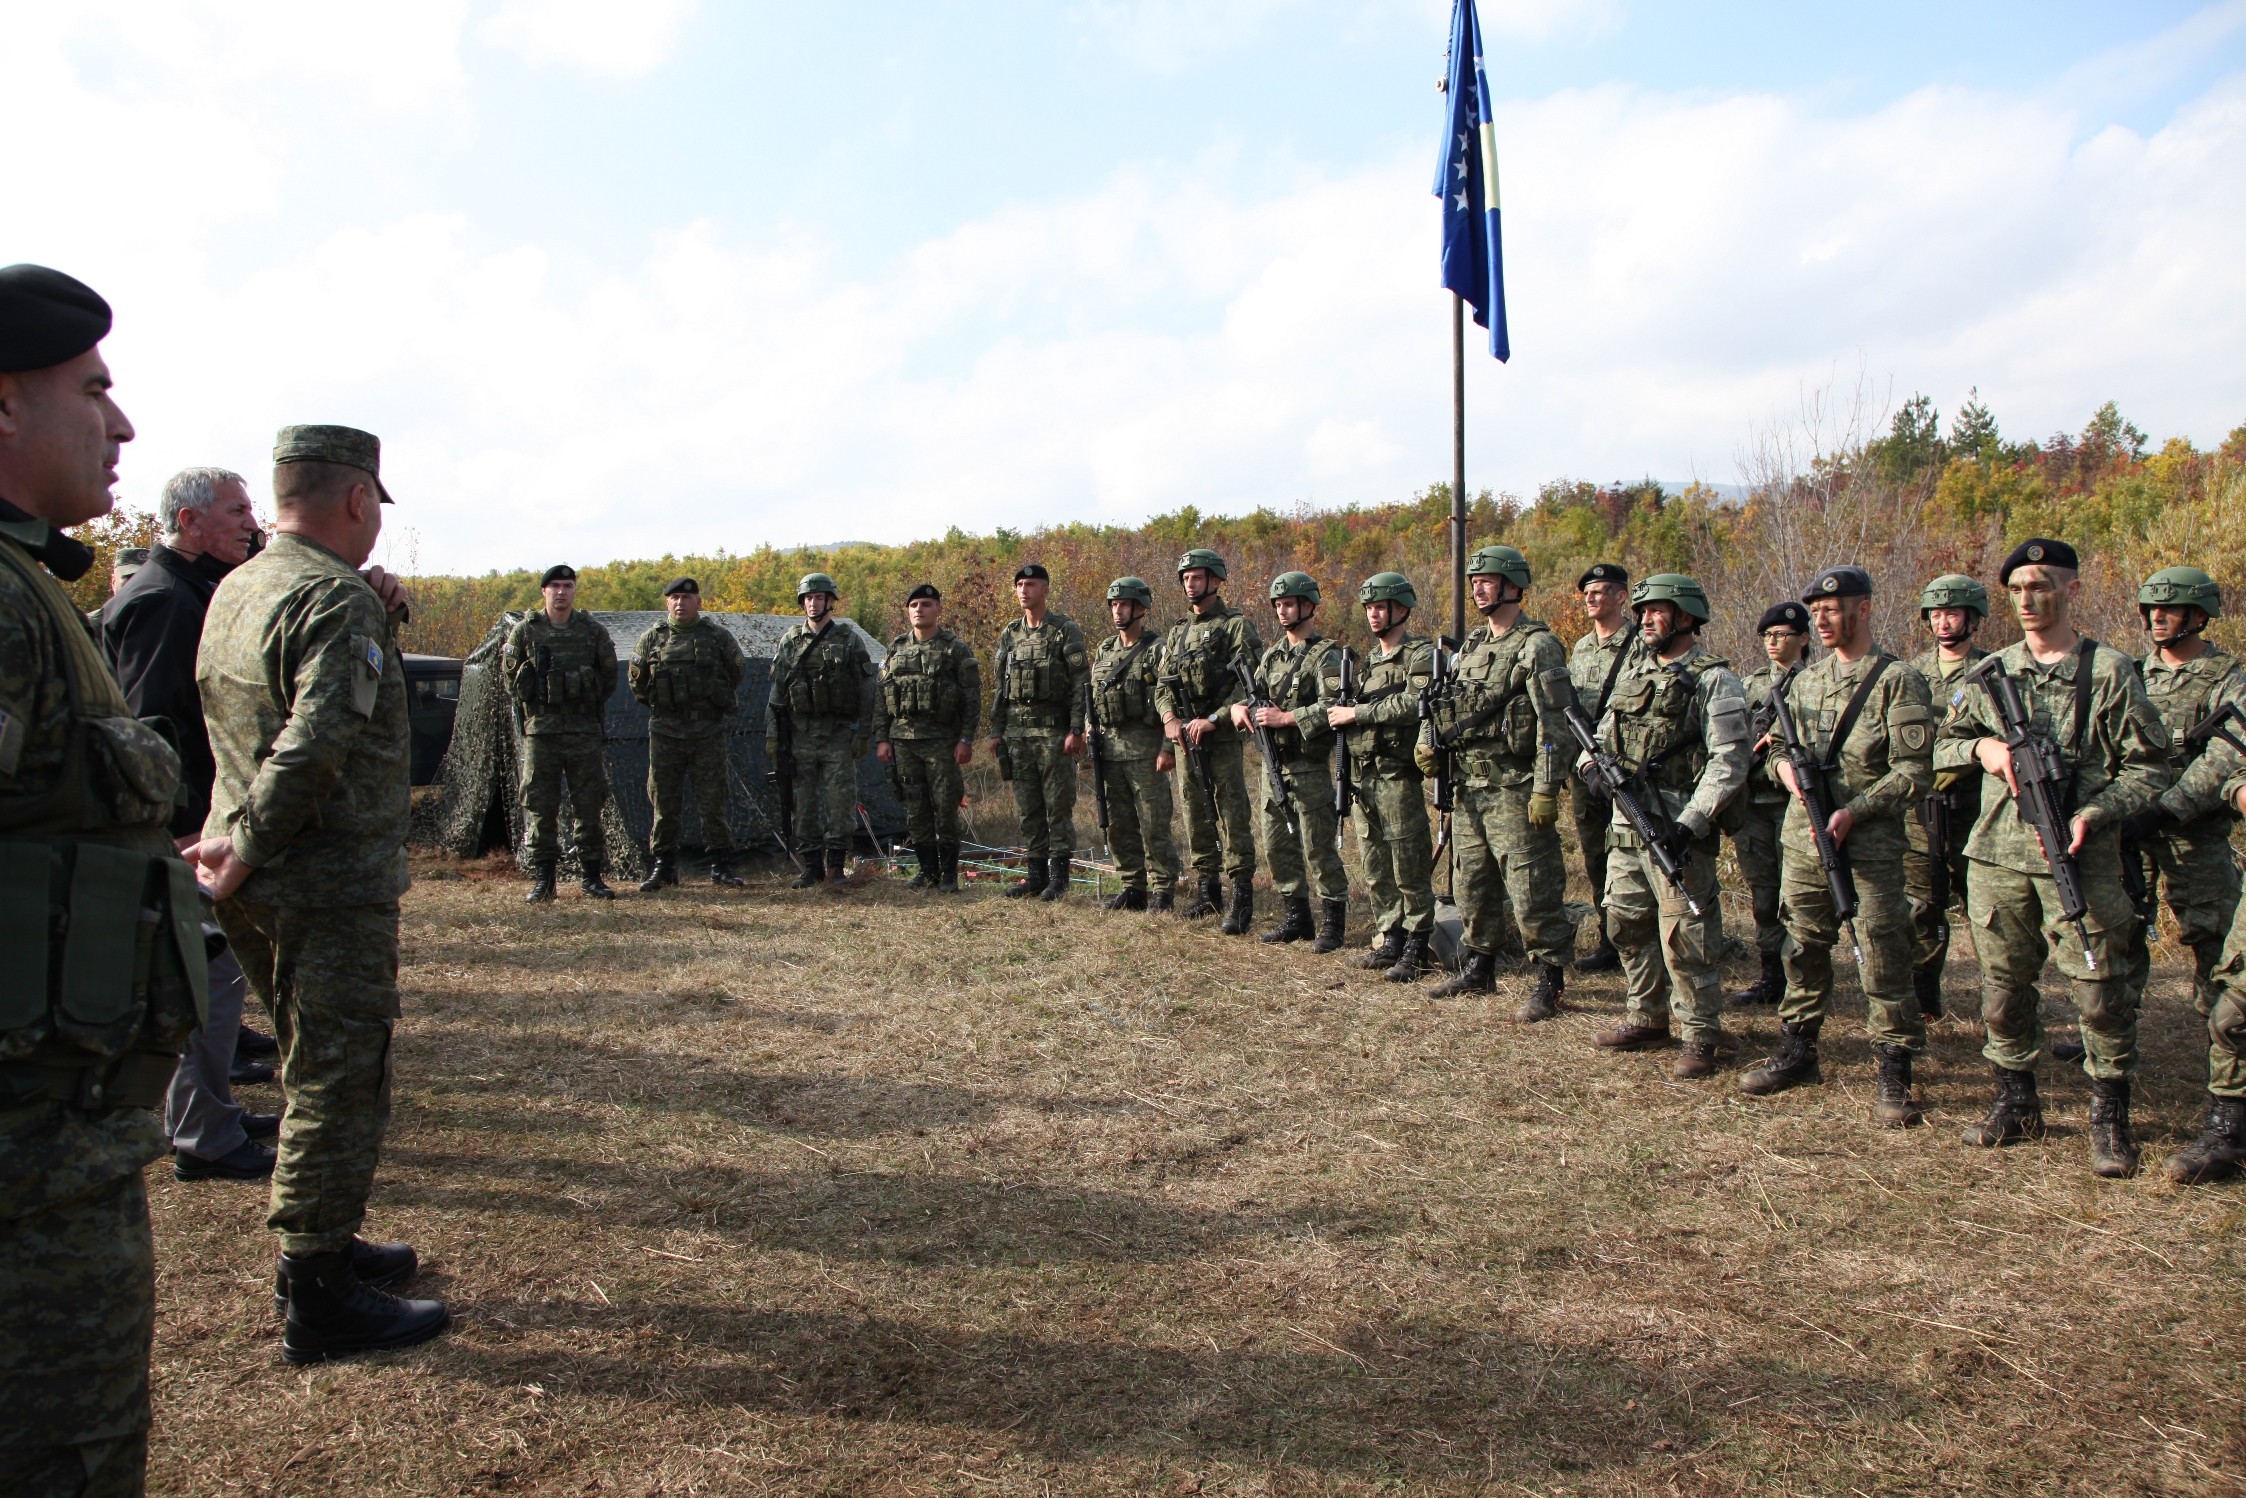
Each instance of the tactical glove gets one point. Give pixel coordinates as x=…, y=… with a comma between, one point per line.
x=1544, y=809
x=1423, y=755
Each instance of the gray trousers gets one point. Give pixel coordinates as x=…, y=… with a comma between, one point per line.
x=200, y=1114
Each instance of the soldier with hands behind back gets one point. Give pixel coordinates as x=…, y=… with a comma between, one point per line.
x=687, y=670
x=1935, y=867
x=1197, y=692
x=1297, y=679
x=823, y=700
x=1756, y=814
x=1037, y=729
x=924, y=729
x=1126, y=676
x=1597, y=662
x=560, y=666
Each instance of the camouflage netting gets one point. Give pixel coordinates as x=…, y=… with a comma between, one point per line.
x=481, y=808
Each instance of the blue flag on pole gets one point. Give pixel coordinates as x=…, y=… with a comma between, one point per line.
x=1473, y=260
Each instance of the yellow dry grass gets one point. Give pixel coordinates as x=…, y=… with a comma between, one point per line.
x=884, y=1193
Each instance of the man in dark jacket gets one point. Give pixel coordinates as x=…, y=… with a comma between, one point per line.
x=150, y=631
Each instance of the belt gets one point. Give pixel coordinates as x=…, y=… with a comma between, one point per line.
x=138, y=1079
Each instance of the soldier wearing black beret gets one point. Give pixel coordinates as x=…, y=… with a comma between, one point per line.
x=1756, y=814
x=560, y=666
x=1601, y=654
x=688, y=670
x=924, y=730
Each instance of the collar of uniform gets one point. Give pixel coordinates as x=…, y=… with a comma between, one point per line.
x=65, y=558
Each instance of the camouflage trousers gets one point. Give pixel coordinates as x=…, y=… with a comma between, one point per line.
x=1138, y=824
x=329, y=977
x=1503, y=858
x=1308, y=859
x=1883, y=929
x=930, y=784
x=1044, y=792
x=1225, y=843
x=673, y=762
x=1931, y=928
x=1669, y=955
x=2195, y=866
x=2016, y=927
x=1753, y=826
x=1395, y=846
x=1594, y=814
x=826, y=788
x=77, y=1299
x=2226, y=1021
x=548, y=760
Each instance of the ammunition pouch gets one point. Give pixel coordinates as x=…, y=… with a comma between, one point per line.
x=137, y=1079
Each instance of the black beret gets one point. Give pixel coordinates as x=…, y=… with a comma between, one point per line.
x=925, y=590
x=1603, y=572
x=46, y=317
x=2038, y=552
x=1032, y=570
x=683, y=585
x=1838, y=582
x=560, y=572
x=1784, y=616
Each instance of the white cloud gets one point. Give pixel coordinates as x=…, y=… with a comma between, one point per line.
x=1169, y=36
x=598, y=36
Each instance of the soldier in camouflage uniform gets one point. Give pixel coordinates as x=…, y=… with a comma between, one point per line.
x=1037, y=729
x=822, y=703
x=1678, y=720
x=1600, y=655
x=2186, y=836
x=1866, y=718
x=100, y=924
x=1395, y=844
x=2089, y=702
x=560, y=666
x=687, y=671
x=1952, y=607
x=1134, y=756
x=305, y=693
x=2217, y=1153
x=1196, y=693
x=924, y=730
x=1302, y=840
x=1505, y=730
x=1756, y=814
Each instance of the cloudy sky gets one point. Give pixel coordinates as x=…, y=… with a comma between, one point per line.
x=618, y=279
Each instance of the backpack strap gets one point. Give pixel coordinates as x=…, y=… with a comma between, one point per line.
x=1846, y=723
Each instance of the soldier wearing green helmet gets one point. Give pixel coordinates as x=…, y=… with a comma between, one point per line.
x=823, y=701
x=1196, y=694
x=1595, y=664
x=1678, y=717
x=1135, y=758
x=1952, y=608
x=1505, y=730
x=1298, y=677
x=1037, y=729
x=1395, y=845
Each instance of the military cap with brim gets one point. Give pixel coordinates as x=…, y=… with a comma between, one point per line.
x=47, y=318
x=1032, y=570
x=683, y=585
x=2037, y=551
x=1838, y=582
x=1787, y=615
x=331, y=444
x=1603, y=572
x=560, y=572
x=925, y=590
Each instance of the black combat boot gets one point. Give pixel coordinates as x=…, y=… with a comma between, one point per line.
x=1477, y=975
x=838, y=868
x=664, y=872
x=924, y=854
x=1035, y=872
x=378, y=1264
x=1129, y=897
x=2015, y=1115
x=1294, y=922
x=1603, y=958
x=332, y=1312
x=2113, y=1154
x=1544, y=1000
x=721, y=872
x=1384, y=956
x=595, y=887
x=1892, y=1104
x=2216, y=1153
x=1208, y=898
x=947, y=874
x=541, y=884
x=813, y=872
x=1767, y=989
x=1162, y=901
x=1240, y=911
x=1412, y=961
x=1056, y=883
x=1333, y=925
x=1792, y=1065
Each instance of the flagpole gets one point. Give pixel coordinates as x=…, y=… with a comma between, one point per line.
x=1458, y=467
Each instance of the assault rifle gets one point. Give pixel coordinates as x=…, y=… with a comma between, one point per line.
x=782, y=774
x=1196, y=756
x=1094, y=741
x=1267, y=743
x=2216, y=726
x=2044, y=793
x=1815, y=794
x=1605, y=774
x=1345, y=788
x=1433, y=698
x=1933, y=813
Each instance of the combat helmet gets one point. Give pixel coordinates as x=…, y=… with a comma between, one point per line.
x=815, y=582
x=1500, y=561
x=1201, y=556
x=1388, y=587
x=1954, y=590
x=1132, y=590
x=1672, y=587
x=2180, y=587
x=1294, y=585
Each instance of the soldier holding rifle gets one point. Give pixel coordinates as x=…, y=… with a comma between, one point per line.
x=1934, y=862
x=1756, y=814
x=1287, y=693
x=1595, y=664
x=1196, y=692
x=1133, y=755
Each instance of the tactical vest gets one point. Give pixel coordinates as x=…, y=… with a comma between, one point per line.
x=823, y=676
x=1123, y=685
x=105, y=969
x=1296, y=686
x=1034, y=674
x=1392, y=677
x=559, y=676
x=686, y=674
x=1657, y=728
x=1199, y=653
x=1494, y=718
x=920, y=681
x=2185, y=701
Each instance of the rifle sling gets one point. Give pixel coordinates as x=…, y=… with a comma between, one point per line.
x=2081, y=697
x=1846, y=723
x=1614, y=674
x=1115, y=676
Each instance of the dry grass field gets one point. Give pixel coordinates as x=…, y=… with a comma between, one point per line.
x=885, y=1194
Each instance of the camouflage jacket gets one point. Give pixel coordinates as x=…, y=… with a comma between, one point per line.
x=688, y=676
x=1764, y=788
x=2183, y=696
x=1042, y=674
x=305, y=691
x=1387, y=725
x=561, y=675
x=1960, y=784
x=1124, y=679
x=1197, y=657
x=1505, y=728
x=1683, y=725
x=1887, y=763
x=1303, y=679
x=930, y=689
x=823, y=678
x=1591, y=662
x=2120, y=764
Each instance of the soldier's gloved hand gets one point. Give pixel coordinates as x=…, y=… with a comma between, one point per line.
x=1675, y=840
x=2140, y=826
x=1544, y=809
x=1423, y=755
